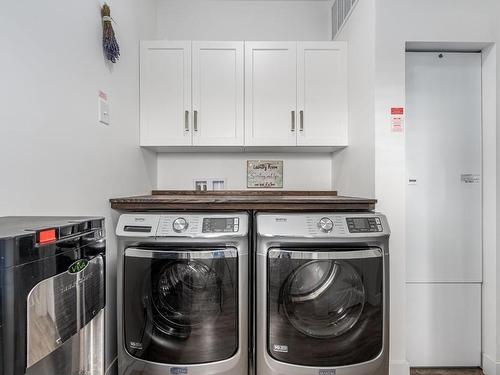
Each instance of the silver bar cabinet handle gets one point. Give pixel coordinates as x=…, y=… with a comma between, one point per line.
x=301, y=121
x=195, y=121
x=186, y=121
x=293, y=121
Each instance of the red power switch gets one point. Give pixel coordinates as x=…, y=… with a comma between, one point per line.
x=46, y=236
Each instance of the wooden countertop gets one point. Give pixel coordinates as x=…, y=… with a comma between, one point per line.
x=169, y=200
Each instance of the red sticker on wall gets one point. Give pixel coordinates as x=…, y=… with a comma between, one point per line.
x=397, y=119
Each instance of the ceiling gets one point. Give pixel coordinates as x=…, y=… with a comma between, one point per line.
x=274, y=0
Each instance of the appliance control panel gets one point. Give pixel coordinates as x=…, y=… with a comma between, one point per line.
x=178, y=225
x=221, y=224
x=364, y=224
x=322, y=225
x=182, y=225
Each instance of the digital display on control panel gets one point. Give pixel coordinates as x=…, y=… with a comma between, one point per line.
x=364, y=224
x=220, y=225
x=361, y=223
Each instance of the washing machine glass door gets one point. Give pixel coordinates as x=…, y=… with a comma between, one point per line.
x=181, y=305
x=325, y=307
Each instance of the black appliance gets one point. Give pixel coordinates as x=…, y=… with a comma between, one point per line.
x=52, y=295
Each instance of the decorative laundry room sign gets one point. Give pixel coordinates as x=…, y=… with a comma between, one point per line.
x=265, y=173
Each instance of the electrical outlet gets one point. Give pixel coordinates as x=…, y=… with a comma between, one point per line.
x=200, y=185
x=218, y=184
x=205, y=184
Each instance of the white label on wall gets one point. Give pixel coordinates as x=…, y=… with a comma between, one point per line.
x=470, y=178
x=397, y=119
x=264, y=173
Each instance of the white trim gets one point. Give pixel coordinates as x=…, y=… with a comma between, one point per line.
x=113, y=367
x=401, y=367
x=490, y=367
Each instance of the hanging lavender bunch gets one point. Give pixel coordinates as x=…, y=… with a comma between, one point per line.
x=109, y=43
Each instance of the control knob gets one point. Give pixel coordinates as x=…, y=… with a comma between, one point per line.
x=180, y=225
x=325, y=225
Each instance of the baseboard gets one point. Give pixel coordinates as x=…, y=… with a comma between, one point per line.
x=395, y=368
x=399, y=368
x=113, y=367
x=490, y=366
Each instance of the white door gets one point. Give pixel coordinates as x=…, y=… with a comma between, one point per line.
x=218, y=94
x=165, y=93
x=270, y=93
x=443, y=206
x=322, y=93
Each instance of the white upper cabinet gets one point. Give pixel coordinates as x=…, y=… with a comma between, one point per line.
x=270, y=93
x=322, y=93
x=296, y=94
x=249, y=95
x=165, y=93
x=218, y=104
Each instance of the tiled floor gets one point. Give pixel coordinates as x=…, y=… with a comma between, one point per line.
x=451, y=371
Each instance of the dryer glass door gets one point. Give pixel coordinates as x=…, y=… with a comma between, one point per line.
x=325, y=307
x=181, y=305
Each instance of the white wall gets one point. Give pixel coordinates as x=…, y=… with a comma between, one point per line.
x=55, y=159
x=301, y=171
x=354, y=166
x=399, y=21
x=497, y=184
x=490, y=243
x=243, y=20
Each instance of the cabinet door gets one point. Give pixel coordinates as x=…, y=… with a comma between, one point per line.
x=322, y=93
x=165, y=93
x=218, y=94
x=270, y=93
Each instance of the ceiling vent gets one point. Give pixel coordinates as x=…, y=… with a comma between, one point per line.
x=340, y=12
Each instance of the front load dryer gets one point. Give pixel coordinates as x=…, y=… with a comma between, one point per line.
x=182, y=294
x=322, y=295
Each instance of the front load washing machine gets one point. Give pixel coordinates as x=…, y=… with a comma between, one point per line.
x=183, y=294
x=322, y=295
